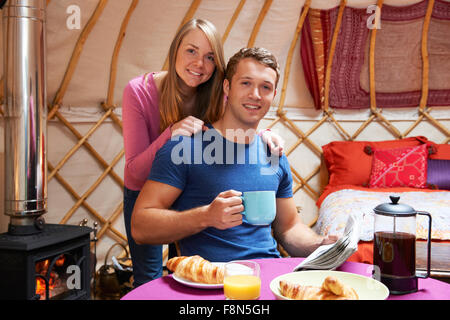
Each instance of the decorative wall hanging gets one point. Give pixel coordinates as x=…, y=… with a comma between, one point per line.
x=412, y=54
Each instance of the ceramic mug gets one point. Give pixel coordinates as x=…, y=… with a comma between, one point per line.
x=259, y=207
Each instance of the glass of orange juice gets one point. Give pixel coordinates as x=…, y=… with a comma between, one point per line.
x=241, y=280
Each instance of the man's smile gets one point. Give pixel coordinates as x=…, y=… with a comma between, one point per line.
x=252, y=106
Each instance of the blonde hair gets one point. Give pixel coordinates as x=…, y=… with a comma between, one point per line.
x=209, y=98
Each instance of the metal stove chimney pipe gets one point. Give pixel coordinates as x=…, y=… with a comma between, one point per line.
x=25, y=115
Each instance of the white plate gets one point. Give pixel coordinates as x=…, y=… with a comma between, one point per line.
x=366, y=288
x=199, y=285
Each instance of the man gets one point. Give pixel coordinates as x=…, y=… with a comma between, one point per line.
x=193, y=191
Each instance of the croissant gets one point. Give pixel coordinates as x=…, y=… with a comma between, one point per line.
x=332, y=289
x=299, y=292
x=197, y=269
x=335, y=286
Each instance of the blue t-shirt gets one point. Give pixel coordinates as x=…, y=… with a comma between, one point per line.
x=205, y=165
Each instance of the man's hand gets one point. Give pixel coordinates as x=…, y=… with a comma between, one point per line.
x=225, y=210
x=329, y=239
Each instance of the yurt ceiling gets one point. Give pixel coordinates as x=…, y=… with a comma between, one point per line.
x=89, y=63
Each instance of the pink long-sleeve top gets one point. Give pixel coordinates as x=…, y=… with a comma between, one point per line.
x=140, y=120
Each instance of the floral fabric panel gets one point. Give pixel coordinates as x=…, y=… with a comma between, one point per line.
x=399, y=167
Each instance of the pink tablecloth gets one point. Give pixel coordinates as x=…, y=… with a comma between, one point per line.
x=166, y=288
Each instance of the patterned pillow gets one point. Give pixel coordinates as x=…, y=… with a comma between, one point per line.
x=348, y=163
x=399, y=167
x=438, y=173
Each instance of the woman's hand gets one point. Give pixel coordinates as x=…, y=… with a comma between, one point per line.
x=273, y=140
x=188, y=126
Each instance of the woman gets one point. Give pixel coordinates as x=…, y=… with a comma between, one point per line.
x=157, y=106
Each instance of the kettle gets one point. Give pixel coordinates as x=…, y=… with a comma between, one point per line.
x=111, y=280
x=394, y=246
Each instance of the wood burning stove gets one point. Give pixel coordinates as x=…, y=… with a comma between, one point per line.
x=53, y=264
x=37, y=260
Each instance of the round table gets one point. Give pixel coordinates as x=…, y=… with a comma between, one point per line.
x=167, y=288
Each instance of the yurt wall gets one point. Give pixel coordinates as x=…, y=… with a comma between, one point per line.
x=94, y=47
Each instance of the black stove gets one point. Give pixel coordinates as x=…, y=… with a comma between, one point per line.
x=53, y=264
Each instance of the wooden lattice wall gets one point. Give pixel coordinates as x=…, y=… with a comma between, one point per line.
x=300, y=138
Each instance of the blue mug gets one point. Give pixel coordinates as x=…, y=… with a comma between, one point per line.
x=259, y=207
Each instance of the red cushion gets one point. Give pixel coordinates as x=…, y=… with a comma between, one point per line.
x=364, y=254
x=348, y=163
x=442, y=152
x=399, y=167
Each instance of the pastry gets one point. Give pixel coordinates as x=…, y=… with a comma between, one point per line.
x=299, y=292
x=338, y=288
x=332, y=289
x=197, y=269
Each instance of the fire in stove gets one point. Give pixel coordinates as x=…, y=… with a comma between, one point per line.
x=52, y=279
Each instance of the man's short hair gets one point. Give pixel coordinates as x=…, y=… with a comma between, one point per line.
x=261, y=55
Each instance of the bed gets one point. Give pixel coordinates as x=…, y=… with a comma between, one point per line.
x=362, y=174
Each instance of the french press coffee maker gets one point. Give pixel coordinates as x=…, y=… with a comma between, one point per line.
x=394, y=246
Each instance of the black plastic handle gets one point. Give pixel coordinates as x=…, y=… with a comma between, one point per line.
x=428, y=245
